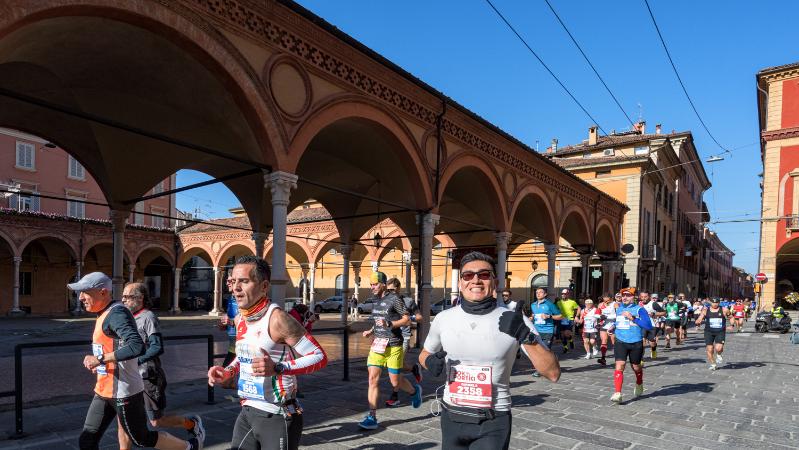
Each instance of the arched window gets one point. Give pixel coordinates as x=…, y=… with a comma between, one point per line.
x=339, y=284
x=540, y=280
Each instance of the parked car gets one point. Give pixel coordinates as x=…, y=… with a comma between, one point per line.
x=367, y=306
x=289, y=302
x=329, y=304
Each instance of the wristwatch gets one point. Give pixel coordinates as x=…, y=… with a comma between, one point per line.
x=100, y=357
x=279, y=368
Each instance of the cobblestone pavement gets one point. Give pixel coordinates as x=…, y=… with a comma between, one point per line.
x=751, y=402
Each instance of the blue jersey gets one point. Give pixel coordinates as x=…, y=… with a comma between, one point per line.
x=232, y=312
x=546, y=326
x=630, y=331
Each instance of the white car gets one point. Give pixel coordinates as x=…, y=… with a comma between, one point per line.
x=330, y=304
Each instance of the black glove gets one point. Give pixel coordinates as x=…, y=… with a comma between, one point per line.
x=513, y=325
x=436, y=362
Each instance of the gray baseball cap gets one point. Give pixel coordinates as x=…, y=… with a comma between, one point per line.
x=94, y=280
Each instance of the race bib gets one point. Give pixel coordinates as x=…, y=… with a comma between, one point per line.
x=379, y=345
x=97, y=350
x=611, y=315
x=250, y=386
x=471, y=386
x=739, y=314
x=590, y=324
x=565, y=322
x=622, y=323
x=673, y=316
x=716, y=322
x=539, y=319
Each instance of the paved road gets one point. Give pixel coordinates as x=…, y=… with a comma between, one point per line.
x=752, y=402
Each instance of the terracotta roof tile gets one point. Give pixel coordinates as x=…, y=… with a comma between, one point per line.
x=616, y=140
x=298, y=215
x=568, y=163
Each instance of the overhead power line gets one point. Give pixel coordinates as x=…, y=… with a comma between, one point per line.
x=589, y=63
x=524, y=42
x=674, y=67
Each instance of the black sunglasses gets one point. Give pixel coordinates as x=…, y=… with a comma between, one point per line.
x=482, y=275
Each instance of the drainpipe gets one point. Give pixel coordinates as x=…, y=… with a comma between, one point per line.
x=439, y=149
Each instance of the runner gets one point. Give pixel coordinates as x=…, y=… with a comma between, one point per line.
x=507, y=300
x=116, y=345
x=608, y=311
x=655, y=312
x=393, y=286
x=715, y=318
x=228, y=322
x=685, y=317
x=672, y=319
x=137, y=299
x=271, y=350
x=569, y=309
x=389, y=316
x=738, y=315
x=477, y=344
x=589, y=319
x=631, y=319
x=541, y=316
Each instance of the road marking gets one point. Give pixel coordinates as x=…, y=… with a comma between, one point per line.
x=744, y=334
x=770, y=336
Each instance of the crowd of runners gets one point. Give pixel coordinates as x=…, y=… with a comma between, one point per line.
x=472, y=347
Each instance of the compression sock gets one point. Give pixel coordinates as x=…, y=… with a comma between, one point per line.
x=373, y=413
x=639, y=377
x=618, y=379
x=604, y=349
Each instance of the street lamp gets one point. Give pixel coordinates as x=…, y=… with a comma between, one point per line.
x=377, y=239
x=535, y=265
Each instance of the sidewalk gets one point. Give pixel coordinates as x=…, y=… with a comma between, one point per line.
x=750, y=403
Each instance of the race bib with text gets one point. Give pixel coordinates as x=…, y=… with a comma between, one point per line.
x=471, y=386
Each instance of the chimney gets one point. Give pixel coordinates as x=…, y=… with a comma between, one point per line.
x=554, y=146
x=592, y=135
x=657, y=129
x=641, y=126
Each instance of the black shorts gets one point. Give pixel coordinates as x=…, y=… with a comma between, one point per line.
x=155, y=394
x=102, y=411
x=715, y=337
x=590, y=334
x=673, y=323
x=259, y=430
x=625, y=350
x=651, y=335
x=490, y=434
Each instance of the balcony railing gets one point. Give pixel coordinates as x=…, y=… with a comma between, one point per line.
x=792, y=222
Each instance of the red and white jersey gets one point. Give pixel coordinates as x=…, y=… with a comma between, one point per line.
x=590, y=319
x=738, y=310
x=609, y=312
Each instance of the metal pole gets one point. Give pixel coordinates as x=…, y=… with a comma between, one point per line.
x=18, y=392
x=210, y=341
x=346, y=352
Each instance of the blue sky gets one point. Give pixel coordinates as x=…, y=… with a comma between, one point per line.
x=463, y=49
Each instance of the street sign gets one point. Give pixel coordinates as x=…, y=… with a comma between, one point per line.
x=596, y=273
x=761, y=277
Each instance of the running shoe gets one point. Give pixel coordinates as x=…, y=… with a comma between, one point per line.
x=616, y=397
x=719, y=360
x=596, y=353
x=668, y=345
x=416, y=398
x=571, y=344
x=199, y=430
x=536, y=374
x=712, y=367
x=601, y=361
x=195, y=444
x=417, y=372
x=638, y=390
x=368, y=423
x=588, y=355
x=393, y=402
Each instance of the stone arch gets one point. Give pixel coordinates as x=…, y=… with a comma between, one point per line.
x=533, y=212
x=46, y=235
x=233, y=249
x=161, y=30
x=195, y=250
x=574, y=227
x=606, y=240
x=157, y=250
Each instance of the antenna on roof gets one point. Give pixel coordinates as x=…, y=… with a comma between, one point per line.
x=640, y=112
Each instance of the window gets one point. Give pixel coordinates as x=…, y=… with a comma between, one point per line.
x=602, y=173
x=138, y=217
x=159, y=188
x=157, y=221
x=586, y=154
x=25, y=283
x=76, y=171
x=26, y=155
x=642, y=150
x=23, y=202
x=76, y=209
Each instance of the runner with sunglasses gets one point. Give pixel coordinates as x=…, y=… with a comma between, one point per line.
x=631, y=320
x=474, y=346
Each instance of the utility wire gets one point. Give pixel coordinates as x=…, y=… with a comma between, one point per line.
x=589, y=63
x=502, y=17
x=674, y=67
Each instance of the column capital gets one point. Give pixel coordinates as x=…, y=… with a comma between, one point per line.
x=118, y=217
x=311, y=266
x=17, y=259
x=280, y=185
x=428, y=222
x=503, y=239
x=345, y=250
x=177, y=269
x=551, y=249
x=258, y=236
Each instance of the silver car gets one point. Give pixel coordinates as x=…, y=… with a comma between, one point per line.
x=330, y=304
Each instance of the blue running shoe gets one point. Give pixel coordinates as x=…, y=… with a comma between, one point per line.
x=368, y=423
x=416, y=398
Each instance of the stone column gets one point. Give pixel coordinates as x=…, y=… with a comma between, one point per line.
x=356, y=271
x=312, y=299
x=455, y=278
x=406, y=258
x=176, y=293
x=552, y=253
x=503, y=238
x=304, y=284
x=131, y=271
x=280, y=185
x=345, y=251
x=428, y=222
x=260, y=240
x=584, y=259
x=78, y=310
x=15, y=309
x=217, y=309
x=118, y=219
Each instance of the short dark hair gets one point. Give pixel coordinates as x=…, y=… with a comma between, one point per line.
x=478, y=256
x=394, y=281
x=543, y=288
x=262, y=270
x=507, y=290
x=140, y=289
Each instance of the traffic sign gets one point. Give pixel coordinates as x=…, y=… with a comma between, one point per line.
x=761, y=277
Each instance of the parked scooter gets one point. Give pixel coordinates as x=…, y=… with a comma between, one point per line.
x=765, y=322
